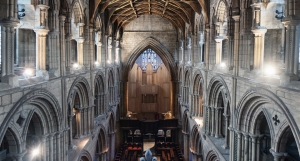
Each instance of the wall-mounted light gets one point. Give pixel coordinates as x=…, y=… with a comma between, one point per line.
x=222, y=65
x=35, y=152
x=75, y=65
x=269, y=70
x=28, y=73
x=97, y=63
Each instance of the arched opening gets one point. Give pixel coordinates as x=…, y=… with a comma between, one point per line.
x=73, y=52
x=287, y=144
x=34, y=141
x=197, y=99
x=9, y=144
x=99, y=100
x=84, y=158
x=264, y=141
x=111, y=87
x=111, y=132
x=100, y=153
x=211, y=156
x=186, y=88
x=149, y=88
x=221, y=33
x=219, y=117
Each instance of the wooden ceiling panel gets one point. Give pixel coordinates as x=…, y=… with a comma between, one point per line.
x=176, y=11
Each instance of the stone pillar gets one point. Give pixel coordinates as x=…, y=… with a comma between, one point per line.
x=98, y=42
x=44, y=148
x=259, y=41
x=62, y=20
x=246, y=147
x=181, y=52
x=174, y=110
x=253, y=154
x=186, y=145
x=259, y=37
x=8, y=52
x=109, y=50
x=54, y=43
x=258, y=148
x=117, y=53
x=80, y=41
x=71, y=131
x=41, y=31
x=112, y=146
x=78, y=123
x=89, y=118
x=50, y=138
x=58, y=149
x=227, y=118
x=239, y=145
x=219, y=40
x=213, y=121
x=207, y=45
x=189, y=50
x=291, y=50
x=217, y=118
x=209, y=118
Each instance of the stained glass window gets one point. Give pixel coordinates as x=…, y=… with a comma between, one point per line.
x=149, y=56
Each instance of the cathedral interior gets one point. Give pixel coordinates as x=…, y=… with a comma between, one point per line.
x=116, y=80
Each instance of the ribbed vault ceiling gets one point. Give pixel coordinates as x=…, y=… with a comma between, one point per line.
x=121, y=12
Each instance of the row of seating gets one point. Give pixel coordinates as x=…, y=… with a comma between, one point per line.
x=128, y=152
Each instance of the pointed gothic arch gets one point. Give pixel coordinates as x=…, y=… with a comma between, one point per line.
x=156, y=46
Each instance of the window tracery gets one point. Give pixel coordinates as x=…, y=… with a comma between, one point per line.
x=149, y=56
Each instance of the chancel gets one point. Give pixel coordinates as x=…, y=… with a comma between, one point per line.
x=154, y=80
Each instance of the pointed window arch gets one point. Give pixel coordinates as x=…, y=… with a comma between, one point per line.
x=149, y=56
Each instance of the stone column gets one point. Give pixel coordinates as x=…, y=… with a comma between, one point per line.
x=189, y=50
x=89, y=118
x=50, y=138
x=78, y=123
x=259, y=37
x=58, y=149
x=227, y=118
x=80, y=41
x=98, y=42
x=246, y=147
x=239, y=146
x=186, y=145
x=291, y=50
x=54, y=43
x=181, y=52
x=71, y=131
x=212, y=121
x=112, y=146
x=219, y=40
x=209, y=118
x=174, y=110
x=62, y=20
x=109, y=50
x=43, y=148
x=117, y=53
x=207, y=45
x=8, y=52
x=259, y=41
x=253, y=154
x=41, y=31
x=217, y=127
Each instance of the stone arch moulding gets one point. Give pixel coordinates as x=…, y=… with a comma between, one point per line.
x=35, y=97
x=186, y=122
x=215, y=83
x=266, y=96
x=112, y=120
x=211, y=156
x=156, y=46
x=86, y=154
x=73, y=90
